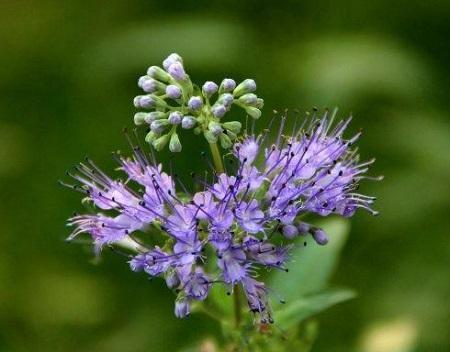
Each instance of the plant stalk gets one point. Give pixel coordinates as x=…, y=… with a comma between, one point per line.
x=217, y=158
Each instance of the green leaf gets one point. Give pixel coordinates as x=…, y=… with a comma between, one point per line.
x=304, y=307
x=310, y=267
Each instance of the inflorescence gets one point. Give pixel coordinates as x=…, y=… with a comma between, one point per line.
x=174, y=101
x=234, y=224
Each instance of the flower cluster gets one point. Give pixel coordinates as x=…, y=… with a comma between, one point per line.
x=235, y=223
x=175, y=101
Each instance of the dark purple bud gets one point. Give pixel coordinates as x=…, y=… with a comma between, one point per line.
x=320, y=236
x=182, y=307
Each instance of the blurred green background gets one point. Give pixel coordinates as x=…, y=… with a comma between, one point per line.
x=68, y=72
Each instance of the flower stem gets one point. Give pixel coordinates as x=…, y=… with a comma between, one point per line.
x=217, y=159
x=237, y=306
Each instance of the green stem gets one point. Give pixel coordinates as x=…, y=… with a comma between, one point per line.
x=217, y=159
x=237, y=306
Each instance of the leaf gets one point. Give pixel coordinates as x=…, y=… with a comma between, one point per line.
x=311, y=266
x=304, y=307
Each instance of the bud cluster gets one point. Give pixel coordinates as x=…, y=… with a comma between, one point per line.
x=172, y=100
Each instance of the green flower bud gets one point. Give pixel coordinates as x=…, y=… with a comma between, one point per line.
x=259, y=103
x=248, y=99
x=160, y=142
x=225, y=141
x=155, y=115
x=210, y=137
x=215, y=128
x=158, y=73
x=253, y=112
x=139, y=118
x=233, y=126
x=150, y=137
x=232, y=135
x=247, y=86
x=175, y=145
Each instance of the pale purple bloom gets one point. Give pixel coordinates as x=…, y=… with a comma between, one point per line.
x=219, y=110
x=175, y=118
x=235, y=216
x=176, y=70
x=173, y=91
x=209, y=88
x=228, y=84
x=188, y=122
x=195, y=103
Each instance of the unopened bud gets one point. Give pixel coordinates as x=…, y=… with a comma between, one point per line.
x=150, y=137
x=172, y=279
x=152, y=85
x=226, y=100
x=175, y=145
x=289, y=231
x=253, y=112
x=259, y=103
x=175, y=118
x=188, y=122
x=227, y=85
x=303, y=228
x=159, y=126
x=219, y=110
x=209, y=88
x=172, y=58
x=161, y=142
x=158, y=73
x=320, y=236
x=248, y=99
x=155, y=115
x=195, y=103
x=139, y=118
x=247, y=86
x=225, y=141
x=215, y=128
x=173, y=91
x=233, y=126
x=176, y=70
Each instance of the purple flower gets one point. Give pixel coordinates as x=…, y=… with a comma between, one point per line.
x=227, y=85
x=175, y=118
x=173, y=91
x=195, y=103
x=209, y=88
x=171, y=59
x=231, y=225
x=219, y=110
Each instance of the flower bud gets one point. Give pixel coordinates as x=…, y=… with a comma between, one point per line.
x=248, y=99
x=253, y=112
x=303, y=228
x=172, y=58
x=155, y=115
x=139, y=118
x=218, y=110
x=182, y=307
x=320, y=236
x=227, y=85
x=225, y=141
x=259, y=103
x=210, y=137
x=142, y=79
x=159, y=126
x=158, y=73
x=175, y=118
x=233, y=126
x=226, y=100
x=172, y=279
x=195, y=103
x=215, y=128
x=151, y=85
x=175, y=145
x=209, y=88
x=247, y=86
x=160, y=143
x=149, y=101
x=176, y=70
x=173, y=91
x=150, y=137
x=188, y=122
x=289, y=231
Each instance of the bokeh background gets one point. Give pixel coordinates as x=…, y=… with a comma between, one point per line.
x=68, y=72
